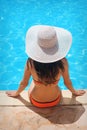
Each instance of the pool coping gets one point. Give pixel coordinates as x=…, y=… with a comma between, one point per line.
x=19, y=113
x=23, y=100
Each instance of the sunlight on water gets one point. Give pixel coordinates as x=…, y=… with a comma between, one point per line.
x=18, y=15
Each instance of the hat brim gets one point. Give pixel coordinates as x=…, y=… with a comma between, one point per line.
x=56, y=53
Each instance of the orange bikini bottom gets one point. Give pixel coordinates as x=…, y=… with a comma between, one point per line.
x=46, y=104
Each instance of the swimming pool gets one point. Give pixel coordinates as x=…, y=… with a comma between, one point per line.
x=18, y=15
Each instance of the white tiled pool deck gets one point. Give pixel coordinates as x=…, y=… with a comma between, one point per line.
x=19, y=114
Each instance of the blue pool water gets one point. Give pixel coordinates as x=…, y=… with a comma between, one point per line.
x=16, y=16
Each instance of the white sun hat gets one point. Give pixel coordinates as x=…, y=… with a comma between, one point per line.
x=47, y=44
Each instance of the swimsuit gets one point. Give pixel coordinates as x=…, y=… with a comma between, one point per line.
x=39, y=82
x=44, y=104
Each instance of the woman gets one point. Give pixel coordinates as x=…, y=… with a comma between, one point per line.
x=47, y=47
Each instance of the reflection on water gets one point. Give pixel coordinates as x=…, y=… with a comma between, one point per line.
x=18, y=15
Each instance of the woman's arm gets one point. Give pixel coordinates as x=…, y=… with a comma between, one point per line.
x=23, y=83
x=67, y=80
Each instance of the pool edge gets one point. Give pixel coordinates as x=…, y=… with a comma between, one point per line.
x=23, y=100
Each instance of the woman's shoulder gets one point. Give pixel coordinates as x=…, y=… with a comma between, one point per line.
x=29, y=64
x=32, y=69
x=65, y=62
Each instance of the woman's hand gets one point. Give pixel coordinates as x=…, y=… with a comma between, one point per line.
x=12, y=93
x=78, y=92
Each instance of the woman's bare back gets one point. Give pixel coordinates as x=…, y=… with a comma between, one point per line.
x=41, y=92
